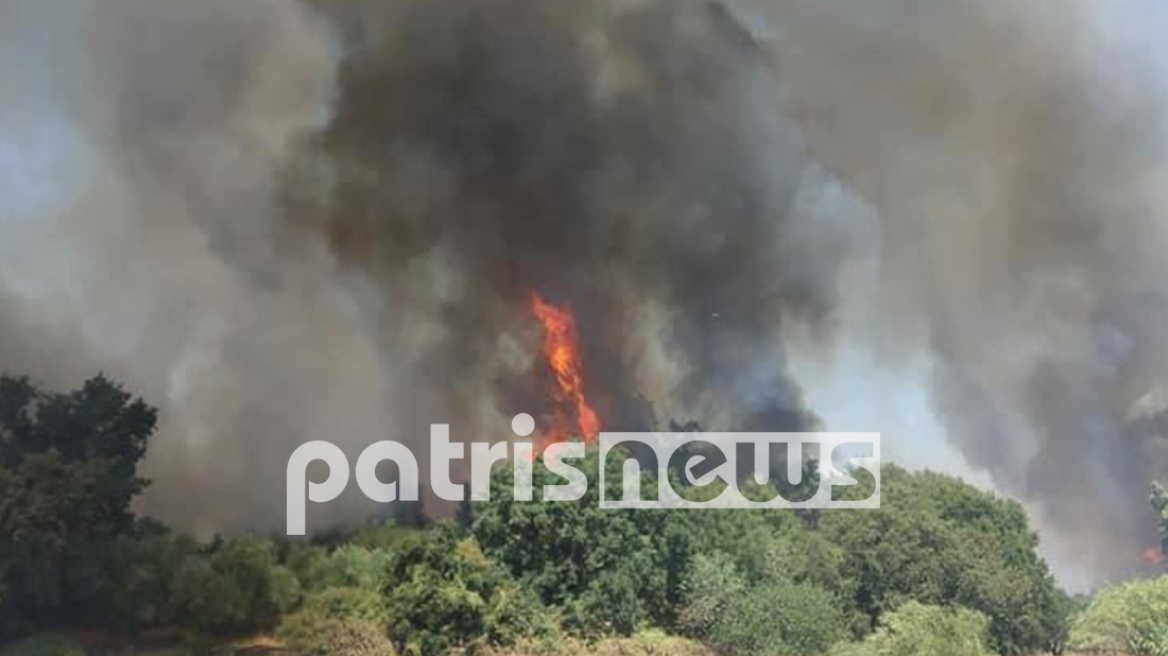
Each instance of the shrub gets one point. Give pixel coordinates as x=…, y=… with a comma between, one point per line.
x=915, y=629
x=241, y=586
x=711, y=586
x=141, y=570
x=643, y=643
x=309, y=563
x=338, y=622
x=315, y=636
x=1132, y=617
x=444, y=594
x=779, y=618
x=354, y=566
x=772, y=616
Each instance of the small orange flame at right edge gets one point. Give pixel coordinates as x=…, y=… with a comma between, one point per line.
x=561, y=349
x=1153, y=556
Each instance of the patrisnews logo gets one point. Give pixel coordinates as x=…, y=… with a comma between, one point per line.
x=691, y=470
x=716, y=461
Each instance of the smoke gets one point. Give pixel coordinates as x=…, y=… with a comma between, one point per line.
x=1015, y=153
x=625, y=159
x=283, y=223
x=154, y=246
x=282, y=228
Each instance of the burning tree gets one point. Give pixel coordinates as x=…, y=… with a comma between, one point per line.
x=571, y=413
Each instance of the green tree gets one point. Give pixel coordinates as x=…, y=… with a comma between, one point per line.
x=1129, y=618
x=443, y=593
x=770, y=615
x=938, y=540
x=355, y=566
x=238, y=587
x=67, y=476
x=141, y=568
x=609, y=569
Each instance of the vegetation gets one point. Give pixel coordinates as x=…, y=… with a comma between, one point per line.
x=941, y=568
x=340, y=622
x=915, y=629
x=1129, y=618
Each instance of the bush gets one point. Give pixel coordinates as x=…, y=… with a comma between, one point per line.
x=315, y=636
x=338, y=622
x=711, y=586
x=444, y=594
x=779, y=618
x=644, y=643
x=309, y=563
x=915, y=629
x=239, y=587
x=141, y=569
x=772, y=616
x=1132, y=617
x=354, y=566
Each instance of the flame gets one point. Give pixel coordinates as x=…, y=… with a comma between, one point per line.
x=1153, y=556
x=561, y=350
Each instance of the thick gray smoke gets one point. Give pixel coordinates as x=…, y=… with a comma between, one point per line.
x=151, y=243
x=283, y=223
x=282, y=231
x=624, y=159
x=1015, y=152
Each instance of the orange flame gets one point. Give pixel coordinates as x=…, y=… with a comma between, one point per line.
x=1153, y=556
x=561, y=349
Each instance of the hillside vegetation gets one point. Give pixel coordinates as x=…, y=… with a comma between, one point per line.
x=941, y=569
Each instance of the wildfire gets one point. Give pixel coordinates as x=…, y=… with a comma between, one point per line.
x=1153, y=556
x=561, y=350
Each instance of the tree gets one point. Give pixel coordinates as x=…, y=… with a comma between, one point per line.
x=610, y=569
x=141, y=568
x=1129, y=618
x=771, y=615
x=67, y=478
x=237, y=587
x=938, y=540
x=444, y=594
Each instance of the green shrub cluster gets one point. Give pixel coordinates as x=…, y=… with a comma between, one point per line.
x=338, y=622
x=915, y=629
x=1129, y=618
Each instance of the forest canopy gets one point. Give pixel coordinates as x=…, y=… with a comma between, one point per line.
x=504, y=572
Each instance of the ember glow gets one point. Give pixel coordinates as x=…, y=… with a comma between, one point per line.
x=572, y=415
x=1153, y=556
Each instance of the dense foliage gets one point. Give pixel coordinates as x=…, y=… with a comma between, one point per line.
x=1129, y=618
x=915, y=629
x=67, y=475
x=940, y=565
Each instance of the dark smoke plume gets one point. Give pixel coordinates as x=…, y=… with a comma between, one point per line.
x=285, y=222
x=625, y=159
x=298, y=227
x=1015, y=153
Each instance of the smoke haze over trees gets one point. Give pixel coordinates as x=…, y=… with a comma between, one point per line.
x=285, y=222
